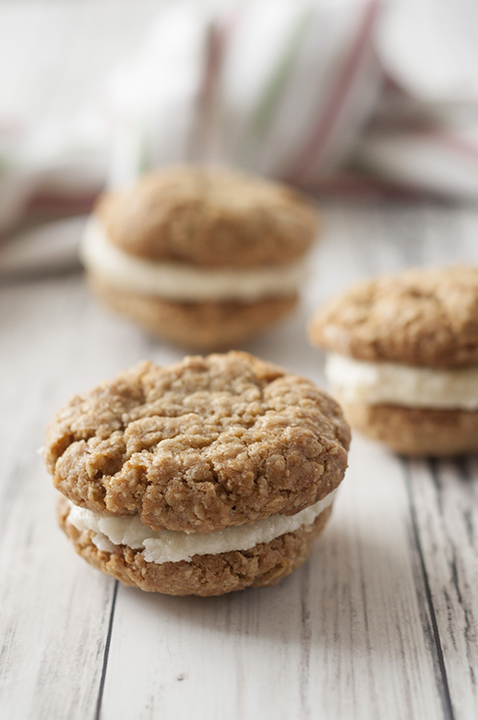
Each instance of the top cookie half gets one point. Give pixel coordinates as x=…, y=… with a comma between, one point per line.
x=210, y=217
x=199, y=445
x=422, y=317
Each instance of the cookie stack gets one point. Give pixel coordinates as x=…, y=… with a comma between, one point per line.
x=403, y=358
x=203, y=257
x=207, y=476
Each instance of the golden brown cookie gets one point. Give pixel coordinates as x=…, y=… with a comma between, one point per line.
x=419, y=317
x=208, y=245
x=404, y=358
x=416, y=431
x=200, y=325
x=262, y=565
x=215, y=217
x=227, y=449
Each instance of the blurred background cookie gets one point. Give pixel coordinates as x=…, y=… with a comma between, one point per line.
x=202, y=257
x=203, y=477
x=404, y=358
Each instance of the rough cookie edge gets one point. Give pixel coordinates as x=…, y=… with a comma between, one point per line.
x=263, y=565
x=416, y=431
x=194, y=326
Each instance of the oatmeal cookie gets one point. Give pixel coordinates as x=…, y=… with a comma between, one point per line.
x=264, y=564
x=416, y=431
x=419, y=317
x=210, y=217
x=225, y=449
x=404, y=358
x=221, y=251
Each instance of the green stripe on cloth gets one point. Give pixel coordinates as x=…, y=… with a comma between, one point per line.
x=272, y=91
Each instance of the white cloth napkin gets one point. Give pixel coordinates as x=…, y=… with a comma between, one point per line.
x=279, y=87
x=297, y=90
x=424, y=132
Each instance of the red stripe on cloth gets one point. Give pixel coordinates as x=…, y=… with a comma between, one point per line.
x=43, y=202
x=215, y=48
x=348, y=186
x=462, y=147
x=320, y=135
x=218, y=37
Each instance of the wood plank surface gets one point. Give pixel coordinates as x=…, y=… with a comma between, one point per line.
x=444, y=498
x=381, y=623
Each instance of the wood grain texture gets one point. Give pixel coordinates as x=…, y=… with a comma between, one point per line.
x=444, y=499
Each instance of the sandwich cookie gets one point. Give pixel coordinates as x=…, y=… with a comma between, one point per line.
x=404, y=358
x=203, y=257
x=207, y=476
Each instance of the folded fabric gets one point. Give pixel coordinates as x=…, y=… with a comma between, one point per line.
x=424, y=131
x=297, y=90
x=277, y=87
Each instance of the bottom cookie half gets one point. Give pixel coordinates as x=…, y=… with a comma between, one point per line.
x=264, y=564
x=200, y=326
x=416, y=431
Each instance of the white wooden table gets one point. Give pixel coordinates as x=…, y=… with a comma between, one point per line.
x=380, y=623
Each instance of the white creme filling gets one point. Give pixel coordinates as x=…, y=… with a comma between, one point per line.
x=172, y=546
x=181, y=282
x=383, y=382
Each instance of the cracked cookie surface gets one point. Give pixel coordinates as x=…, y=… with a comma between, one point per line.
x=425, y=317
x=199, y=445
